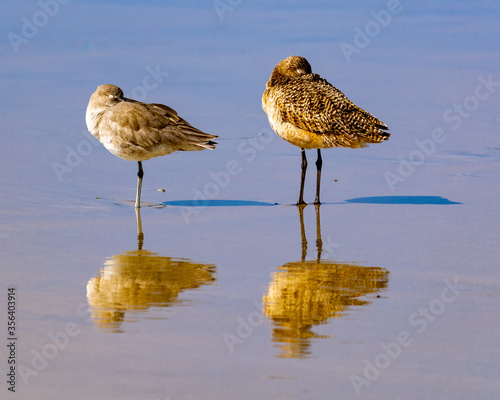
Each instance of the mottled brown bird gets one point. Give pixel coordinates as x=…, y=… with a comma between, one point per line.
x=307, y=111
x=138, y=131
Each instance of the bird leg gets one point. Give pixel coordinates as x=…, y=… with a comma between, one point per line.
x=319, y=164
x=302, y=232
x=319, y=241
x=302, y=178
x=140, y=174
x=140, y=233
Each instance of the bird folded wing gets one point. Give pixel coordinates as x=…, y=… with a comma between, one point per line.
x=317, y=106
x=135, y=123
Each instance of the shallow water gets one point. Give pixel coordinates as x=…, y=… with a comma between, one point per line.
x=388, y=290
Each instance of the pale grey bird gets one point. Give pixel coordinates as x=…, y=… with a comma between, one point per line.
x=137, y=131
x=307, y=111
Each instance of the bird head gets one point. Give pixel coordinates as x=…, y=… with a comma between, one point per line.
x=293, y=66
x=290, y=68
x=106, y=95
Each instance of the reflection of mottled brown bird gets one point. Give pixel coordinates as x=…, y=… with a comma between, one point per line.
x=139, y=131
x=307, y=111
x=307, y=293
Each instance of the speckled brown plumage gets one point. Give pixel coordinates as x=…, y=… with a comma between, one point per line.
x=307, y=111
x=138, y=131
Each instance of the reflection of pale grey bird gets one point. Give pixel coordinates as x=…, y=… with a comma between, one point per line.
x=138, y=280
x=307, y=111
x=138, y=131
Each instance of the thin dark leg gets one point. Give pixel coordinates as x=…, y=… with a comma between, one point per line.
x=302, y=178
x=319, y=241
x=140, y=174
x=319, y=164
x=303, y=238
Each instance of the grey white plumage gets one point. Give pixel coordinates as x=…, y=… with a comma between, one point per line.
x=137, y=131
